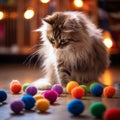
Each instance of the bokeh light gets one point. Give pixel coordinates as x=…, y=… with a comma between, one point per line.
x=28, y=14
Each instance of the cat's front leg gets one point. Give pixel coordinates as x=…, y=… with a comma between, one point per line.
x=64, y=74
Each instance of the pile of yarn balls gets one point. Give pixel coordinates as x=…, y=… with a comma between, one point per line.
x=42, y=102
x=97, y=109
x=31, y=98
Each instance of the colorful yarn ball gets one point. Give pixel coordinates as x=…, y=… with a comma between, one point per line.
x=29, y=101
x=17, y=106
x=85, y=88
x=42, y=105
x=15, y=86
x=109, y=91
x=32, y=90
x=97, y=90
x=78, y=92
x=92, y=85
x=97, y=109
x=75, y=107
x=58, y=88
x=112, y=114
x=38, y=96
x=51, y=95
x=3, y=95
x=24, y=86
x=71, y=85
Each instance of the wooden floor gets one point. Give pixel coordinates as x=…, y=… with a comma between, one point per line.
x=58, y=110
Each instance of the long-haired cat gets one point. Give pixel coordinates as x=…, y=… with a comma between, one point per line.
x=72, y=50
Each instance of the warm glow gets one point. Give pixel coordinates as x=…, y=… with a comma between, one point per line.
x=107, y=40
x=45, y=1
x=107, y=78
x=29, y=14
x=78, y=3
x=1, y=15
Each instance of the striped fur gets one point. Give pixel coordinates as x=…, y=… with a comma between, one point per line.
x=72, y=49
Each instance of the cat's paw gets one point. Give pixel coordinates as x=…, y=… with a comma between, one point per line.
x=42, y=85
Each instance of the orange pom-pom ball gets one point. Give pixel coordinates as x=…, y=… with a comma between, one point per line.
x=71, y=85
x=78, y=92
x=109, y=91
x=15, y=86
x=38, y=96
x=42, y=105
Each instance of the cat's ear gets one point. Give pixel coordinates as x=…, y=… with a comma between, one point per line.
x=49, y=19
x=71, y=25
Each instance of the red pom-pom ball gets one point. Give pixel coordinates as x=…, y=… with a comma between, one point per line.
x=112, y=114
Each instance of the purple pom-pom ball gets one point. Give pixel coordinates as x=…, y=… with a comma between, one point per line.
x=58, y=88
x=51, y=95
x=17, y=106
x=32, y=90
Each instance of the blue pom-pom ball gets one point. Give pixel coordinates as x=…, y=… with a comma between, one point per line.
x=75, y=107
x=29, y=101
x=3, y=95
x=97, y=90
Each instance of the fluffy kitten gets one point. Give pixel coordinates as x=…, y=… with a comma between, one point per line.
x=72, y=50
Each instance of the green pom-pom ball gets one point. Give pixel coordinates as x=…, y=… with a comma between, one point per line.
x=85, y=88
x=24, y=86
x=97, y=109
x=92, y=85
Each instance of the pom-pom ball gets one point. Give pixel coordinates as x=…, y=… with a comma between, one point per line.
x=42, y=105
x=58, y=88
x=78, y=92
x=51, y=95
x=112, y=114
x=97, y=109
x=24, y=86
x=32, y=90
x=71, y=85
x=38, y=96
x=75, y=107
x=97, y=90
x=109, y=91
x=85, y=88
x=17, y=106
x=92, y=85
x=3, y=95
x=29, y=101
x=15, y=86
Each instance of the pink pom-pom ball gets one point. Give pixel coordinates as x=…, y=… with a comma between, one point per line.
x=51, y=95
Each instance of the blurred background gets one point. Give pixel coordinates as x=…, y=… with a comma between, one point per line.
x=19, y=19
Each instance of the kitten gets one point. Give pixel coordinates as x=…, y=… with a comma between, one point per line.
x=72, y=50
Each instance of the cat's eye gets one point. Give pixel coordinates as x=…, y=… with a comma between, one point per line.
x=63, y=41
x=52, y=40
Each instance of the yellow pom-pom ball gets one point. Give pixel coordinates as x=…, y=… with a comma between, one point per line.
x=71, y=85
x=42, y=105
x=38, y=96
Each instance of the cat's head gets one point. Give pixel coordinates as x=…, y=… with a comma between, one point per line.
x=63, y=29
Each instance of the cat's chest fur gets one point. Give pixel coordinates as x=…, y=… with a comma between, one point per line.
x=74, y=57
